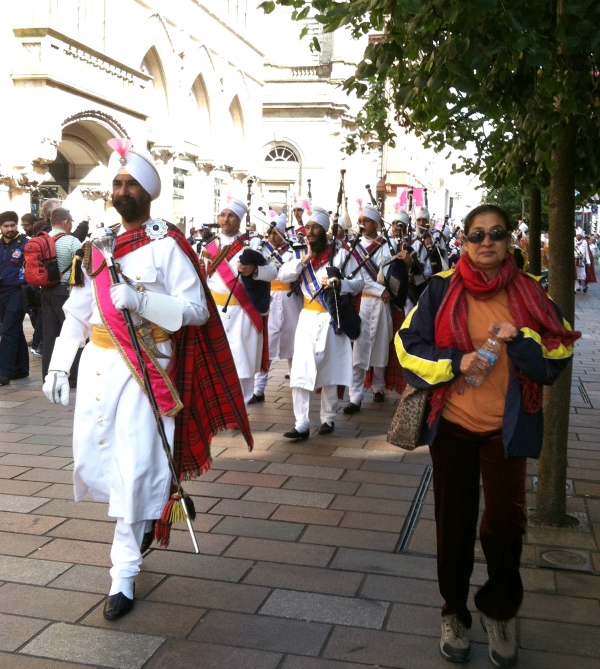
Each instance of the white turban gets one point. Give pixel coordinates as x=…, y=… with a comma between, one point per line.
x=138, y=165
x=523, y=227
x=402, y=217
x=369, y=211
x=319, y=216
x=238, y=207
x=422, y=213
x=281, y=222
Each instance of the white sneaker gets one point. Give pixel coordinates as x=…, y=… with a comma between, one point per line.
x=501, y=642
x=454, y=644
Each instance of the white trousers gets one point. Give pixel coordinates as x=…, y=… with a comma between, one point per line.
x=357, y=391
x=261, y=378
x=125, y=555
x=301, y=399
x=247, y=388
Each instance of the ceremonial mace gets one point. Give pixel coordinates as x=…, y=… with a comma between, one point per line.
x=105, y=243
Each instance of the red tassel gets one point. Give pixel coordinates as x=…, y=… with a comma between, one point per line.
x=162, y=533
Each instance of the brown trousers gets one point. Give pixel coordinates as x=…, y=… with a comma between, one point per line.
x=460, y=457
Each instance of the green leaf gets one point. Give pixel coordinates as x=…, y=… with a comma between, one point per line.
x=267, y=7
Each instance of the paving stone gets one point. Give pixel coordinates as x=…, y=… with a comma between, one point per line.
x=71, y=509
x=13, y=487
x=561, y=608
x=280, y=551
x=296, y=662
x=79, y=552
x=386, y=492
x=385, y=563
x=415, y=619
x=45, y=475
x=341, y=536
x=33, y=572
x=381, y=478
x=554, y=637
x=60, y=452
x=372, y=521
x=209, y=594
x=578, y=585
x=262, y=529
x=76, y=643
x=20, y=504
x=370, y=505
x=242, y=454
x=16, y=630
x=551, y=536
x=321, y=485
x=8, y=472
x=215, y=489
x=193, y=655
x=238, y=465
x=58, y=491
x=208, y=544
x=322, y=461
x=325, y=608
x=424, y=539
x=262, y=633
x=362, y=454
x=28, y=523
x=306, y=515
x=168, y=620
x=86, y=530
x=292, y=497
x=264, y=480
x=20, y=544
x=38, y=602
x=393, y=467
x=84, y=578
x=407, y=590
x=35, y=461
x=244, y=509
x=309, y=579
x=305, y=471
x=532, y=659
x=200, y=566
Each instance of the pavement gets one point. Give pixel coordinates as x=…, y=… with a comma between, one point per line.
x=307, y=559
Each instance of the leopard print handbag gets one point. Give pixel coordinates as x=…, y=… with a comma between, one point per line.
x=408, y=422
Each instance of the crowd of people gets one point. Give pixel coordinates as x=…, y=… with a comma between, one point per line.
x=369, y=310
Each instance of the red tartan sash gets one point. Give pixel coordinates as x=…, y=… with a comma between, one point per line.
x=223, y=269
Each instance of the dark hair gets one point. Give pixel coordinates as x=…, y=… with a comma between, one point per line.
x=6, y=216
x=41, y=225
x=487, y=209
x=28, y=219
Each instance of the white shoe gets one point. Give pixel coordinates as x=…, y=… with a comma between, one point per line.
x=501, y=642
x=454, y=644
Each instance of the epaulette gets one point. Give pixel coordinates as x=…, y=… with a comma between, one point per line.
x=87, y=256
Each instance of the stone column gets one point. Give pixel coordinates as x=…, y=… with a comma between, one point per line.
x=163, y=156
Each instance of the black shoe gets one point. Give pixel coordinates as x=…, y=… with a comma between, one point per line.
x=378, y=397
x=351, y=407
x=19, y=375
x=298, y=436
x=287, y=376
x=148, y=538
x=116, y=606
x=4, y=380
x=256, y=399
x=326, y=428
x=585, y=289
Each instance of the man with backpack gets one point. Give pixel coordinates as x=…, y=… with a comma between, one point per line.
x=54, y=296
x=14, y=356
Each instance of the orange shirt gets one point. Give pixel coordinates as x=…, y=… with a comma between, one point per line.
x=481, y=408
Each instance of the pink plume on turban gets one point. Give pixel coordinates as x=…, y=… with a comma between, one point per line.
x=120, y=145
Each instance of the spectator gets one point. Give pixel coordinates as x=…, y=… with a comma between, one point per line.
x=49, y=206
x=54, y=297
x=31, y=295
x=487, y=430
x=27, y=221
x=14, y=357
x=82, y=230
x=41, y=225
x=192, y=238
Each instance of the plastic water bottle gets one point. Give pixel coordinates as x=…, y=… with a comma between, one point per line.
x=491, y=351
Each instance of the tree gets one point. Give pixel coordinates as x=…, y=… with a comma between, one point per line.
x=520, y=81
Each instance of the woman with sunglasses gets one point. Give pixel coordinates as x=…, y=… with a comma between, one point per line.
x=485, y=431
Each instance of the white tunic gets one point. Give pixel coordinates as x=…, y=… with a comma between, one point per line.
x=283, y=318
x=321, y=358
x=245, y=341
x=372, y=348
x=116, y=448
x=582, y=258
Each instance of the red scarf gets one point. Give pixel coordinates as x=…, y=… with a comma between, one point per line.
x=528, y=304
x=205, y=377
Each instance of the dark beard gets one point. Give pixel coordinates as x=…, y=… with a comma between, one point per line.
x=321, y=244
x=130, y=208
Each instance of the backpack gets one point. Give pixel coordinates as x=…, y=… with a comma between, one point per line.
x=41, y=264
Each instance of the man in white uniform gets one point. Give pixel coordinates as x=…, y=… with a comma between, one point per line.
x=118, y=455
x=582, y=258
x=285, y=309
x=243, y=323
x=322, y=357
x=371, y=349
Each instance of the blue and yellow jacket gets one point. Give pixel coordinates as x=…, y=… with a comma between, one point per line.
x=12, y=260
x=427, y=367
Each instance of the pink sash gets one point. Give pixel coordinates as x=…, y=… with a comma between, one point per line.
x=226, y=273
x=161, y=382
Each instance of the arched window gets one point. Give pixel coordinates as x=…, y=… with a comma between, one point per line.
x=281, y=154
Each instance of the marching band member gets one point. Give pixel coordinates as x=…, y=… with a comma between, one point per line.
x=581, y=261
x=118, y=455
x=322, y=351
x=245, y=319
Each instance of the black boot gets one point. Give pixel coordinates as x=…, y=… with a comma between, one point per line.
x=117, y=606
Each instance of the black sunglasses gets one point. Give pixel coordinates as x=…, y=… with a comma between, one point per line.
x=495, y=235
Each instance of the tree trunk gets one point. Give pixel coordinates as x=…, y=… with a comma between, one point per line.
x=551, y=491
x=535, y=230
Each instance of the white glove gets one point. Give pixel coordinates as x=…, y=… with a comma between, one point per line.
x=123, y=296
x=56, y=387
